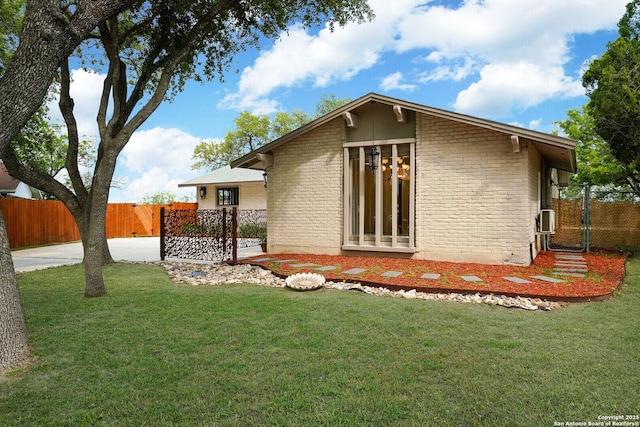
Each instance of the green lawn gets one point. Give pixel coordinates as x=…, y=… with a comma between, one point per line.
x=155, y=353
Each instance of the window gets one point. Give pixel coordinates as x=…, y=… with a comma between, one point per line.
x=228, y=196
x=379, y=205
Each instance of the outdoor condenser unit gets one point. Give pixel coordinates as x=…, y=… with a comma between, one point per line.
x=547, y=222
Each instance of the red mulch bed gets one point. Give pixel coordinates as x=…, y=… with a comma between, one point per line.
x=606, y=272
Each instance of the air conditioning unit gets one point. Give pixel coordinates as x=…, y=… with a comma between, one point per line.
x=547, y=221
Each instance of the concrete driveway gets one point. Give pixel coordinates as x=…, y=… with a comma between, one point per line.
x=123, y=249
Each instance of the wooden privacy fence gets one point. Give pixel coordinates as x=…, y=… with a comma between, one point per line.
x=40, y=222
x=611, y=225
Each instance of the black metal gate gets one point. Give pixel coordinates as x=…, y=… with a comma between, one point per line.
x=210, y=235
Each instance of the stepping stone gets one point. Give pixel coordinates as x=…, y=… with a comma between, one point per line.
x=306, y=264
x=517, y=280
x=391, y=274
x=326, y=268
x=261, y=259
x=430, y=276
x=548, y=279
x=355, y=271
x=570, y=270
x=571, y=264
x=471, y=278
x=567, y=274
x=285, y=261
x=570, y=257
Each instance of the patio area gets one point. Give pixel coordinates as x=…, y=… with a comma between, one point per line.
x=554, y=276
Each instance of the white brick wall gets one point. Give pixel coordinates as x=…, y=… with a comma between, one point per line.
x=305, y=193
x=471, y=194
x=253, y=195
x=535, y=162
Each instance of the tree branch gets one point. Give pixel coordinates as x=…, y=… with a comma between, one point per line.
x=66, y=108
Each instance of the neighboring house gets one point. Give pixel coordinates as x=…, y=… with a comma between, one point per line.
x=11, y=187
x=226, y=187
x=382, y=175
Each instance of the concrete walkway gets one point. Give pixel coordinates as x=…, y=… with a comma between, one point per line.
x=138, y=249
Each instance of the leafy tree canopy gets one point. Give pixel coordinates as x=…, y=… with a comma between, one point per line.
x=597, y=166
x=149, y=51
x=41, y=145
x=162, y=198
x=11, y=14
x=255, y=130
x=613, y=86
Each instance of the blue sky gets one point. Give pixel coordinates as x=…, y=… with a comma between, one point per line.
x=517, y=62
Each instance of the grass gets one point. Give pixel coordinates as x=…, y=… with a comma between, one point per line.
x=155, y=353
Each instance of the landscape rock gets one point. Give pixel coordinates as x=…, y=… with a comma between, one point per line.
x=221, y=274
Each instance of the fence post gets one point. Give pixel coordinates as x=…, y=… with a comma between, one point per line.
x=162, y=247
x=587, y=218
x=234, y=239
x=224, y=234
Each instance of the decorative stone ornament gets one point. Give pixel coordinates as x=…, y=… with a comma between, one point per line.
x=305, y=281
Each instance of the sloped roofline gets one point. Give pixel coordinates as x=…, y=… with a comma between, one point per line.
x=251, y=159
x=224, y=175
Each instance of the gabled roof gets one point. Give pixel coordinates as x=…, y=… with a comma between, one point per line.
x=225, y=175
x=558, y=151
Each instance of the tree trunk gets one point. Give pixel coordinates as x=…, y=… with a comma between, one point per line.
x=94, y=280
x=83, y=228
x=46, y=39
x=95, y=219
x=14, y=342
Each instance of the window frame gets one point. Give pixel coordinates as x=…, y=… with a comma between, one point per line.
x=233, y=196
x=377, y=242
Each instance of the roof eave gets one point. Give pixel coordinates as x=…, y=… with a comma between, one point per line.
x=251, y=160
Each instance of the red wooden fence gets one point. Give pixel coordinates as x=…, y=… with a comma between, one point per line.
x=40, y=222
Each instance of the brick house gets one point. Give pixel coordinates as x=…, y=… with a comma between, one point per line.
x=226, y=188
x=392, y=178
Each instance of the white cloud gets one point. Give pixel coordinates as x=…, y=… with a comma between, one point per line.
x=456, y=70
x=86, y=90
x=168, y=149
x=480, y=40
x=535, y=124
x=153, y=181
x=159, y=159
x=503, y=87
x=299, y=57
x=522, y=46
x=392, y=81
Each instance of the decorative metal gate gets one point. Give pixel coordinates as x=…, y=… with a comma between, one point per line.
x=210, y=235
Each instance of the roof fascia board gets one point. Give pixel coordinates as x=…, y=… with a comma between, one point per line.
x=553, y=140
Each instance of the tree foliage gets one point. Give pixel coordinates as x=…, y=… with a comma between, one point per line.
x=150, y=51
x=42, y=145
x=255, y=130
x=45, y=39
x=162, y=198
x=613, y=86
x=597, y=166
x=11, y=14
